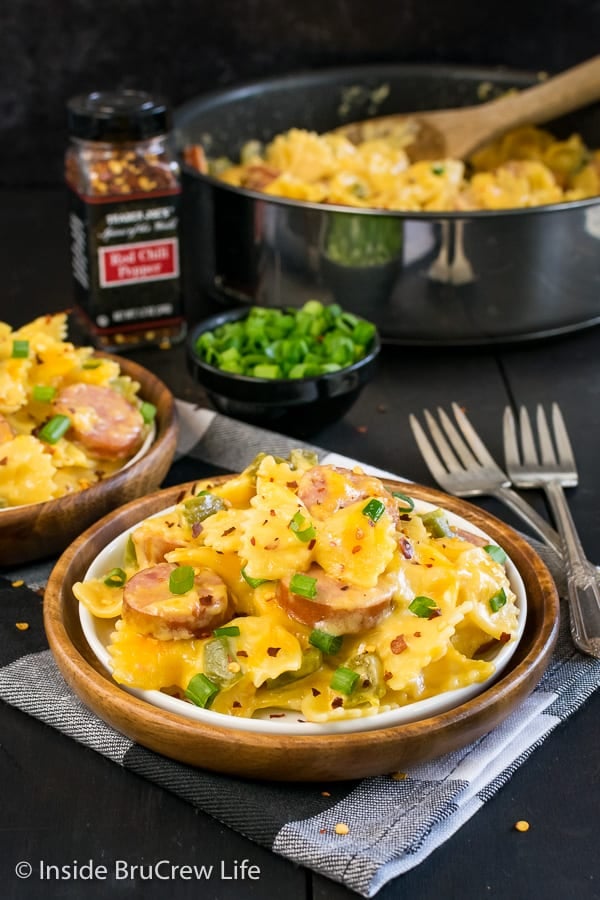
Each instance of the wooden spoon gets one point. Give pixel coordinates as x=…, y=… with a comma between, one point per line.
x=456, y=133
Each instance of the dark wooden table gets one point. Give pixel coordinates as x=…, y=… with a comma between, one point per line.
x=62, y=802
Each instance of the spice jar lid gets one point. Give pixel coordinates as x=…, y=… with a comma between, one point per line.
x=117, y=116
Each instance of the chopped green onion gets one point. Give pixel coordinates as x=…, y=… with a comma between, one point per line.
x=297, y=526
x=437, y=169
x=54, y=429
x=303, y=585
x=115, y=578
x=181, y=580
x=374, y=510
x=344, y=680
x=328, y=643
x=43, y=392
x=497, y=553
x=287, y=343
x=20, y=349
x=497, y=600
x=201, y=690
x=253, y=582
x=227, y=631
x=91, y=363
x=410, y=503
x=148, y=411
x=422, y=607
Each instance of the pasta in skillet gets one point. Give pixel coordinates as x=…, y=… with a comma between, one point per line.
x=67, y=418
x=303, y=587
x=526, y=167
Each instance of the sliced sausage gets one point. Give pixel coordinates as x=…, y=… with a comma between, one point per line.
x=151, y=607
x=102, y=420
x=325, y=489
x=338, y=608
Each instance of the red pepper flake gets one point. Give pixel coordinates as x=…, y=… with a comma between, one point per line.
x=406, y=548
x=429, y=565
x=197, y=528
x=3, y=461
x=417, y=634
x=356, y=549
x=272, y=545
x=276, y=715
x=362, y=429
x=273, y=651
x=180, y=496
x=292, y=485
x=169, y=524
x=228, y=531
x=405, y=517
x=241, y=653
x=387, y=676
x=315, y=692
x=344, y=587
x=265, y=522
x=236, y=704
x=435, y=612
x=272, y=512
x=337, y=702
x=398, y=645
x=504, y=638
x=253, y=541
x=311, y=544
x=206, y=600
x=322, y=831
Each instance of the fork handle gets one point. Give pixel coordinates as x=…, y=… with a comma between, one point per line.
x=523, y=509
x=583, y=587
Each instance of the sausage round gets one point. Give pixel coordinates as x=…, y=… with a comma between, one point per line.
x=102, y=420
x=338, y=608
x=151, y=607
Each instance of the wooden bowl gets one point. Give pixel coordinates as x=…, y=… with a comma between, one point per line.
x=297, y=757
x=41, y=530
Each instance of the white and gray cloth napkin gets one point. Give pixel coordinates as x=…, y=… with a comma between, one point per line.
x=393, y=824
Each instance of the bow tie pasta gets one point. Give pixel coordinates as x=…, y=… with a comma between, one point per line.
x=304, y=587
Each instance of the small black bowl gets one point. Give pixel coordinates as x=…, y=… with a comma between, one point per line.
x=299, y=407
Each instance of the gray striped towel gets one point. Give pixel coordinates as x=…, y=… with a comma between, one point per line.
x=393, y=824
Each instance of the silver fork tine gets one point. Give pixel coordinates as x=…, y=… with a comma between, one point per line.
x=546, y=447
x=442, y=444
x=527, y=442
x=563, y=444
x=427, y=451
x=457, y=442
x=477, y=445
x=511, y=444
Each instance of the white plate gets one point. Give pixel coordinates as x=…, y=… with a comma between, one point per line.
x=98, y=631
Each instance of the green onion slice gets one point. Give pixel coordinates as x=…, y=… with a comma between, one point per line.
x=497, y=553
x=148, y=411
x=374, y=510
x=181, y=580
x=328, y=643
x=54, y=429
x=115, y=578
x=344, y=680
x=43, y=392
x=227, y=631
x=303, y=534
x=422, y=607
x=20, y=349
x=253, y=582
x=303, y=585
x=497, y=600
x=201, y=690
x=410, y=503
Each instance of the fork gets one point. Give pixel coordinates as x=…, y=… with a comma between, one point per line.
x=553, y=474
x=467, y=469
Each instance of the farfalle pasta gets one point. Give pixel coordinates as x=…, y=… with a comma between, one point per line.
x=303, y=587
x=68, y=418
x=526, y=167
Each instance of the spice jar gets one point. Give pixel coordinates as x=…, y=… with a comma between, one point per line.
x=125, y=192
